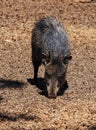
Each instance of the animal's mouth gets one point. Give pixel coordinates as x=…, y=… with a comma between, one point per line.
x=52, y=96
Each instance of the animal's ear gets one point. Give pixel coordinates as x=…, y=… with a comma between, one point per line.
x=67, y=59
x=45, y=59
x=44, y=56
x=70, y=57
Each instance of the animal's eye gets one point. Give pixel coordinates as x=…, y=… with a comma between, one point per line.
x=47, y=60
x=47, y=84
x=58, y=85
x=47, y=75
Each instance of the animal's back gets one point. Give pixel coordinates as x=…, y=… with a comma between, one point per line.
x=50, y=36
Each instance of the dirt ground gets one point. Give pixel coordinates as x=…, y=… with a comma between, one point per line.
x=24, y=106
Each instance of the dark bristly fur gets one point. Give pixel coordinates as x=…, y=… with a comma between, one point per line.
x=50, y=45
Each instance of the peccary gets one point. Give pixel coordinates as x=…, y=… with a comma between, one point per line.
x=50, y=46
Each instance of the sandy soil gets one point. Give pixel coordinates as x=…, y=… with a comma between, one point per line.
x=24, y=106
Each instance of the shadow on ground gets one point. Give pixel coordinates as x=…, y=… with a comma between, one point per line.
x=39, y=84
x=92, y=127
x=42, y=86
x=10, y=84
x=63, y=89
x=8, y=117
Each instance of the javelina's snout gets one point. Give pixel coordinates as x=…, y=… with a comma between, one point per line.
x=52, y=87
